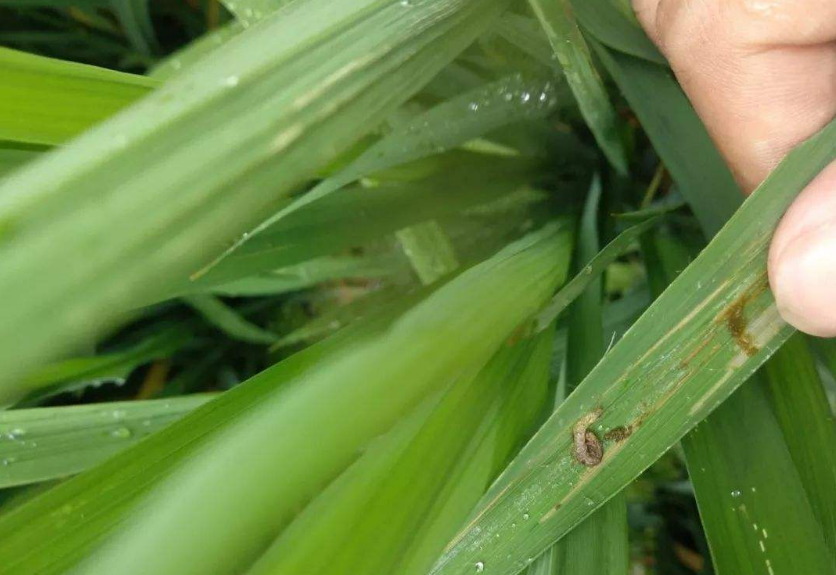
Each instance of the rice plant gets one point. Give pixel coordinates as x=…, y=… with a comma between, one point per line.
x=373, y=287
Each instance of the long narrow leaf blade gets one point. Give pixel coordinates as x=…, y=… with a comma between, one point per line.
x=581, y=552
x=46, y=101
x=742, y=500
x=702, y=338
x=346, y=374
x=164, y=187
x=572, y=51
x=53, y=442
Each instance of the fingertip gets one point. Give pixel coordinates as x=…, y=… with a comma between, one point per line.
x=814, y=208
x=803, y=278
x=802, y=258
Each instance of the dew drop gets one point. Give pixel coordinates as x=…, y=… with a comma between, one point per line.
x=121, y=433
x=735, y=493
x=231, y=81
x=480, y=566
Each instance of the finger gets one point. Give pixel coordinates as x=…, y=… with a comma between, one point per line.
x=762, y=76
x=788, y=22
x=753, y=70
x=802, y=258
x=646, y=13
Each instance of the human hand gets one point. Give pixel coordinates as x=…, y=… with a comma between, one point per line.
x=762, y=76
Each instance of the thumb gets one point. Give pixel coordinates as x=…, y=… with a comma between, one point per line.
x=802, y=258
x=762, y=76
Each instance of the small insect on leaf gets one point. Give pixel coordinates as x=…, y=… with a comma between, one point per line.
x=587, y=447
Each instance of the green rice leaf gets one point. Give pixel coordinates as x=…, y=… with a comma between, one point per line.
x=14, y=157
x=196, y=50
x=743, y=501
x=47, y=101
x=248, y=12
x=441, y=128
x=786, y=443
x=669, y=119
x=265, y=427
x=363, y=523
x=53, y=3
x=360, y=214
x=703, y=337
x=313, y=272
x=135, y=19
x=610, y=27
x=163, y=188
x=76, y=373
x=592, y=271
x=55, y=442
x=557, y=18
x=581, y=552
x=228, y=320
x=797, y=396
x=429, y=250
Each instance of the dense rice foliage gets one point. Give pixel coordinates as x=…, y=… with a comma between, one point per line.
x=365, y=287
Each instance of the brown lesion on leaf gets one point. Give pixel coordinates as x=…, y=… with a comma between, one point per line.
x=686, y=363
x=622, y=432
x=734, y=318
x=587, y=448
x=619, y=433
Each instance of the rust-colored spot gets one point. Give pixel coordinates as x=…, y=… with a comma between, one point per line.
x=735, y=318
x=619, y=433
x=686, y=363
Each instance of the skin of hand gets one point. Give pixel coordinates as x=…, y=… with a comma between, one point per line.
x=762, y=76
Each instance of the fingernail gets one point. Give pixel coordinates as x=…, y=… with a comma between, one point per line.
x=803, y=279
